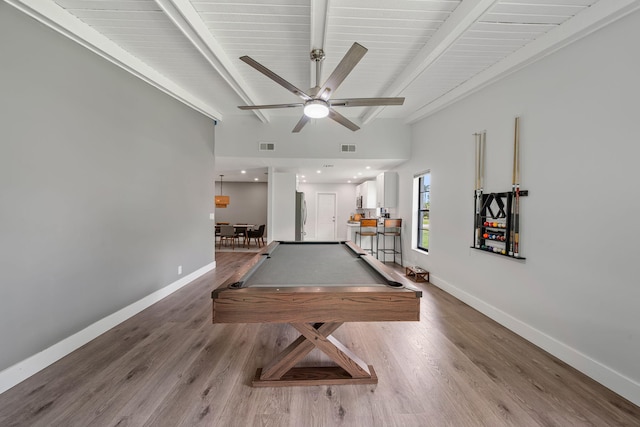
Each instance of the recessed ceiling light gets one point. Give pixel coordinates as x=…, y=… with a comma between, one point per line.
x=318, y=171
x=359, y=173
x=349, y=182
x=368, y=167
x=243, y=171
x=255, y=179
x=302, y=176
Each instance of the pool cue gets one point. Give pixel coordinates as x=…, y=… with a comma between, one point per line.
x=483, y=140
x=516, y=188
x=476, y=232
x=483, y=143
x=478, y=192
x=480, y=148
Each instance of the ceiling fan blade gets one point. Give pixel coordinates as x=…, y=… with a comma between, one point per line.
x=342, y=120
x=264, y=107
x=350, y=60
x=303, y=121
x=273, y=76
x=365, y=102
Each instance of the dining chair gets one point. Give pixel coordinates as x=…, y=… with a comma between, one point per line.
x=217, y=234
x=258, y=235
x=228, y=232
x=241, y=233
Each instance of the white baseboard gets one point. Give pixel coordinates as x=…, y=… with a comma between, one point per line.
x=615, y=381
x=26, y=368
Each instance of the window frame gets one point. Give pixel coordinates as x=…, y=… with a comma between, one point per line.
x=422, y=210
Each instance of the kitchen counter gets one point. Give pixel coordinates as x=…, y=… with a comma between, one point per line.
x=357, y=223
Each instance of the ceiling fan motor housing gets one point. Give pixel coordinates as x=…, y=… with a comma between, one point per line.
x=317, y=55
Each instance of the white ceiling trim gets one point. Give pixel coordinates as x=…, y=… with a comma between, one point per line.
x=189, y=22
x=462, y=18
x=319, y=18
x=58, y=19
x=595, y=17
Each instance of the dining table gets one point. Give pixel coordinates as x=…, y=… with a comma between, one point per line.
x=240, y=230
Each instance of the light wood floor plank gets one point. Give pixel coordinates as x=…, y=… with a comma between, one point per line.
x=170, y=366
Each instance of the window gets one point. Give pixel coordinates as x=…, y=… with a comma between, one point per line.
x=424, y=189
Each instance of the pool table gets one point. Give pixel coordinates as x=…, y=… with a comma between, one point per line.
x=315, y=287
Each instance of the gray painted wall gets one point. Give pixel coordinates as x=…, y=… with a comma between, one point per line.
x=106, y=185
x=577, y=293
x=381, y=139
x=248, y=203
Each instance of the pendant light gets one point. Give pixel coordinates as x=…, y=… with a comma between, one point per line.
x=221, y=201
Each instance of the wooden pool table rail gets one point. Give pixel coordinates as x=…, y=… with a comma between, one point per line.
x=326, y=304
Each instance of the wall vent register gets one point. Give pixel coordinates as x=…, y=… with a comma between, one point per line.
x=267, y=146
x=348, y=148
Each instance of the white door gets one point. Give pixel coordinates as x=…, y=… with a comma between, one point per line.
x=326, y=216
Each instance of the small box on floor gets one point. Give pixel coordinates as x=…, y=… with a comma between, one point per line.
x=417, y=274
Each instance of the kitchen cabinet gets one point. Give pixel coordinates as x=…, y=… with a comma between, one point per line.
x=366, y=195
x=369, y=193
x=387, y=190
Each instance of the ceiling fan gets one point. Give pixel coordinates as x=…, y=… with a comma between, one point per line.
x=317, y=101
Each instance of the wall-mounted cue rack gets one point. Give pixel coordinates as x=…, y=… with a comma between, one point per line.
x=497, y=215
x=495, y=220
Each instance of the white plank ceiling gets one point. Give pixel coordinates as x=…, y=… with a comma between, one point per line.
x=432, y=52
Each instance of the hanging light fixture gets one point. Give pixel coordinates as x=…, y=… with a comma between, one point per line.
x=221, y=201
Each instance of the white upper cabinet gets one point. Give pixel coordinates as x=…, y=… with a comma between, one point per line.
x=369, y=194
x=387, y=190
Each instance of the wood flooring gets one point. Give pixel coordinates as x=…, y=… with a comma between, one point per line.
x=170, y=366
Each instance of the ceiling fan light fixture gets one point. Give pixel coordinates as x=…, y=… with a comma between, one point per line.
x=316, y=109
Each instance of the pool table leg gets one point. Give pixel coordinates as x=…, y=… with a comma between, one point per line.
x=281, y=371
x=297, y=350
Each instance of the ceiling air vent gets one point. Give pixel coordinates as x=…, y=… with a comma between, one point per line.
x=267, y=146
x=348, y=148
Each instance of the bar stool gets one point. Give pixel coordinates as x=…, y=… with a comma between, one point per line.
x=391, y=228
x=368, y=228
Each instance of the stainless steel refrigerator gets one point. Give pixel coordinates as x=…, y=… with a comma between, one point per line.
x=301, y=216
